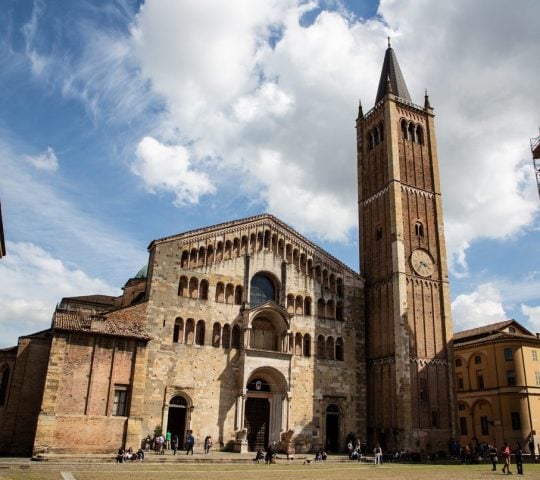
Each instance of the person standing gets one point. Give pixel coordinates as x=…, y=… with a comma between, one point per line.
x=378, y=455
x=190, y=441
x=518, y=452
x=161, y=442
x=492, y=452
x=168, y=437
x=207, y=444
x=505, y=452
x=174, y=443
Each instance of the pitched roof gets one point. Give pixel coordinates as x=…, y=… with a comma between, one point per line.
x=483, y=330
x=101, y=325
x=391, y=72
x=491, y=332
x=492, y=337
x=94, y=299
x=9, y=349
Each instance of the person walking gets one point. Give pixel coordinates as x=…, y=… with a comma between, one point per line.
x=190, y=443
x=505, y=453
x=518, y=453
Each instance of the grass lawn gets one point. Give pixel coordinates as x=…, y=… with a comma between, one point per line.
x=336, y=471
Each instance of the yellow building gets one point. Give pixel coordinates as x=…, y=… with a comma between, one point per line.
x=497, y=371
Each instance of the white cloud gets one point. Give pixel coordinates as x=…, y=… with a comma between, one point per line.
x=44, y=161
x=269, y=99
x=32, y=282
x=533, y=316
x=241, y=78
x=38, y=62
x=294, y=201
x=103, y=75
x=35, y=208
x=232, y=94
x=168, y=168
x=481, y=307
x=234, y=98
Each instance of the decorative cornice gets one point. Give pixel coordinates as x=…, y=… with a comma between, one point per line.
x=264, y=220
x=417, y=191
x=375, y=196
x=404, y=188
x=381, y=361
x=412, y=360
x=425, y=281
x=410, y=104
x=428, y=361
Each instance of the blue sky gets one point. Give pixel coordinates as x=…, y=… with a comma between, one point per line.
x=121, y=123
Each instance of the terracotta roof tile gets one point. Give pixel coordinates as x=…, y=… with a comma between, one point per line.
x=102, y=325
x=494, y=336
x=99, y=299
x=485, y=329
x=8, y=349
x=493, y=332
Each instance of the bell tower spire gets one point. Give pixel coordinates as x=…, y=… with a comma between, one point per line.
x=403, y=261
x=391, y=74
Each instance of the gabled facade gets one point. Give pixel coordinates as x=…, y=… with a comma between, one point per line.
x=258, y=334
x=497, y=371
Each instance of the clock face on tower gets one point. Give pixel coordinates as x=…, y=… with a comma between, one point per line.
x=422, y=263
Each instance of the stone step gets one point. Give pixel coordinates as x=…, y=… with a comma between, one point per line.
x=150, y=457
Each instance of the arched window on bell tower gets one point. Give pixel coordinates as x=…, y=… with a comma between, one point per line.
x=404, y=133
x=412, y=132
x=419, y=229
x=419, y=135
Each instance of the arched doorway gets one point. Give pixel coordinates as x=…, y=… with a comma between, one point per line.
x=257, y=414
x=176, y=419
x=264, y=405
x=332, y=428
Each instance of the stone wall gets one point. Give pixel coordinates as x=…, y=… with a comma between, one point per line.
x=213, y=379
x=19, y=416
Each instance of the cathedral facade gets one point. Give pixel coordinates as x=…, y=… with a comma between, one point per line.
x=250, y=333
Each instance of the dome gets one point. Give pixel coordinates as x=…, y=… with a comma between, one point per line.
x=142, y=273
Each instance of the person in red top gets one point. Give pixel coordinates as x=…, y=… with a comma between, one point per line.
x=505, y=453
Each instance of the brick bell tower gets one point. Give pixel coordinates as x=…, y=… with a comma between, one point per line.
x=403, y=260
